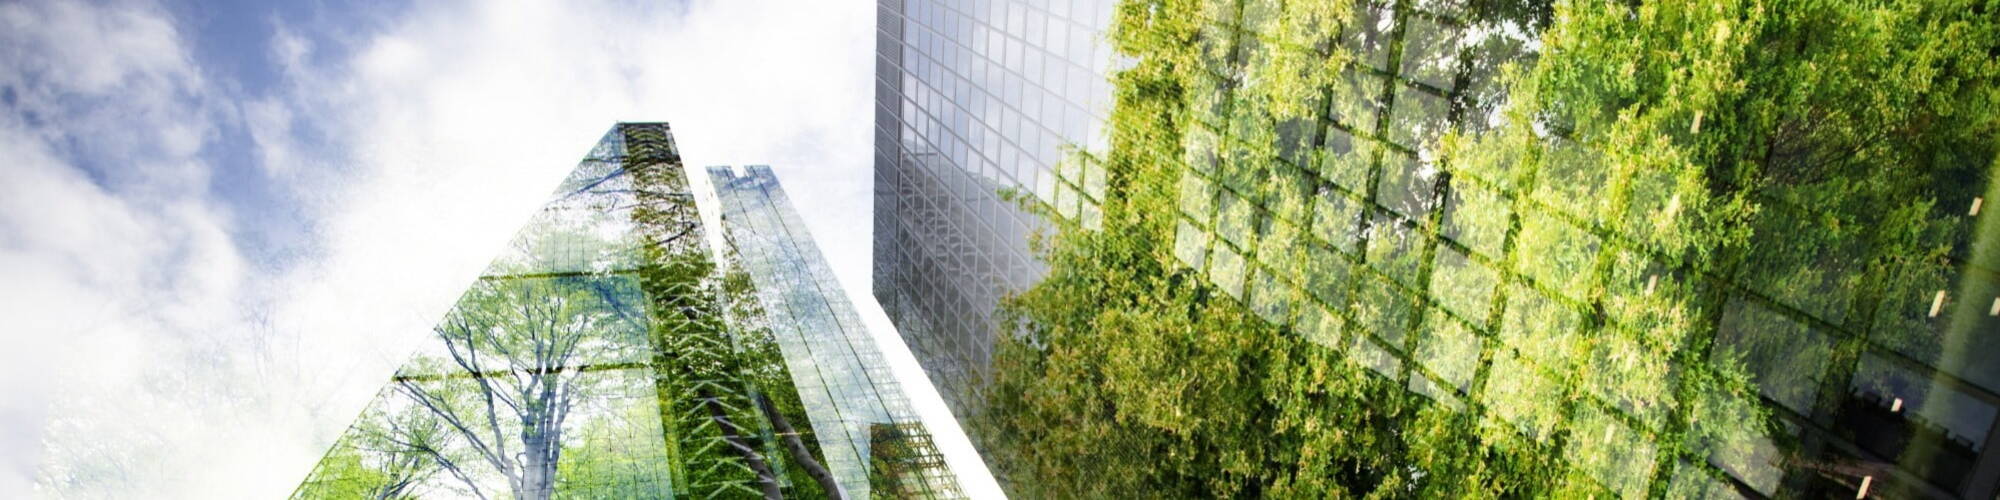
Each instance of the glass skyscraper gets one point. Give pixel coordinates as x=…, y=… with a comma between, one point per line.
x=612, y=351
x=974, y=97
x=1480, y=287
x=817, y=328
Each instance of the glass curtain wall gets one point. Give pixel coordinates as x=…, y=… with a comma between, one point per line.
x=976, y=99
x=605, y=353
x=831, y=351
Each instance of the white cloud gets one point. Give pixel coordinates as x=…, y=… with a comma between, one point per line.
x=165, y=365
x=114, y=76
x=105, y=270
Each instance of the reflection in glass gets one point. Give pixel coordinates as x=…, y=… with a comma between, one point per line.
x=841, y=374
x=605, y=354
x=1566, y=270
x=973, y=98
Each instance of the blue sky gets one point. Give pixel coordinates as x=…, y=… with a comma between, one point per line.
x=223, y=224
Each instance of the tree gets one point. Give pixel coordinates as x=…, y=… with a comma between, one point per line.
x=604, y=460
x=519, y=346
x=388, y=454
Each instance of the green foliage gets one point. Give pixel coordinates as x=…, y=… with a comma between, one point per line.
x=1659, y=214
x=342, y=474
x=712, y=353
x=705, y=400
x=603, y=460
x=385, y=455
x=581, y=367
x=898, y=455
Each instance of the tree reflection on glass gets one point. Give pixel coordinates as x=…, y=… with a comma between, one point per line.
x=522, y=350
x=606, y=354
x=387, y=455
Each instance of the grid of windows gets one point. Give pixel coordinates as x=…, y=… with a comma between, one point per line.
x=843, y=380
x=974, y=97
x=1468, y=285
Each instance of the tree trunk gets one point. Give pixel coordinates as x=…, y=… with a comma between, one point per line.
x=797, y=449
x=766, y=480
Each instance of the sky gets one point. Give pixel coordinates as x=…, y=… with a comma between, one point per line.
x=224, y=224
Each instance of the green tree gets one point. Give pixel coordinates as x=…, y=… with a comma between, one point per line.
x=614, y=457
x=518, y=350
x=386, y=455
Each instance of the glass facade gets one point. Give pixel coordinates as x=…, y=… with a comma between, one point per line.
x=1481, y=286
x=974, y=97
x=824, y=341
x=1471, y=283
x=609, y=353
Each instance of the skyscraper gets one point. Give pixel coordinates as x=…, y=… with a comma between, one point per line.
x=1536, y=274
x=613, y=351
x=817, y=328
x=972, y=98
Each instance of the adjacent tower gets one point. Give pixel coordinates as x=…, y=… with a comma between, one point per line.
x=973, y=98
x=1501, y=252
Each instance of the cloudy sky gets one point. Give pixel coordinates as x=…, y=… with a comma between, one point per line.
x=223, y=225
